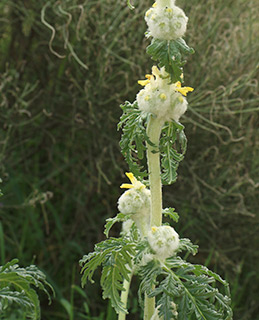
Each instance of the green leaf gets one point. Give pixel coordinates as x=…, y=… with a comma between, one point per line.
x=9, y=297
x=111, y=221
x=172, y=137
x=166, y=310
x=148, y=274
x=17, y=286
x=190, y=290
x=132, y=123
x=187, y=245
x=169, y=54
x=115, y=256
x=169, y=212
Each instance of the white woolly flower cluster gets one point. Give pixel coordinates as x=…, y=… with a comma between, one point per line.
x=136, y=201
x=164, y=241
x=166, y=21
x=162, y=98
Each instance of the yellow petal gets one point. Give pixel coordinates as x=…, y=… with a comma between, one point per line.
x=184, y=90
x=149, y=76
x=131, y=176
x=154, y=5
x=126, y=186
x=135, y=183
x=143, y=82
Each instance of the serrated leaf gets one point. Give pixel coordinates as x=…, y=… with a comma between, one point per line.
x=132, y=123
x=115, y=256
x=190, y=287
x=186, y=245
x=17, y=285
x=169, y=54
x=111, y=221
x=9, y=297
x=170, y=157
x=166, y=310
x=169, y=212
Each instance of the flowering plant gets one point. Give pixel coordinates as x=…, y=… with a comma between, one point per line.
x=170, y=287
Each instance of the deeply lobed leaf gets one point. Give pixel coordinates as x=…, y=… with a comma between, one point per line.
x=169, y=54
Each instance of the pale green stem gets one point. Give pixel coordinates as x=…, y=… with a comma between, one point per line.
x=124, y=296
x=149, y=307
x=153, y=156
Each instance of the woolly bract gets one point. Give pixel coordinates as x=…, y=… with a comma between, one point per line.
x=162, y=98
x=164, y=241
x=166, y=21
x=136, y=201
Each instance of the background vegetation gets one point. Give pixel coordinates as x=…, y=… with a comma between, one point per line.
x=65, y=68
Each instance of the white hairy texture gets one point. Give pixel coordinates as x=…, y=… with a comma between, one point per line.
x=166, y=21
x=134, y=201
x=126, y=226
x=160, y=98
x=137, y=202
x=164, y=241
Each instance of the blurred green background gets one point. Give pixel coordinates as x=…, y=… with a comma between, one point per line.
x=66, y=66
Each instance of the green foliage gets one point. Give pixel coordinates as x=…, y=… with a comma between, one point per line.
x=188, y=288
x=115, y=256
x=61, y=138
x=168, y=54
x=170, y=212
x=111, y=221
x=187, y=245
x=171, y=133
x=17, y=288
x=134, y=138
x=133, y=124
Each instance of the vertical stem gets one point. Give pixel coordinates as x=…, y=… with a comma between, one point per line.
x=149, y=307
x=124, y=297
x=153, y=157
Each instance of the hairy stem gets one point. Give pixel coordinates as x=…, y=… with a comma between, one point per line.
x=124, y=297
x=149, y=307
x=153, y=156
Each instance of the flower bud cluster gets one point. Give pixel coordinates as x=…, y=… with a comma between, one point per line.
x=164, y=241
x=166, y=21
x=160, y=97
x=136, y=201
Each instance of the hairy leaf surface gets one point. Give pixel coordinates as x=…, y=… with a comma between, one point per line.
x=169, y=54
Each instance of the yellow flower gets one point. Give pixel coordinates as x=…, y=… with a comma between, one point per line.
x=134, y=183
x=183, y=90
x=145, y=82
